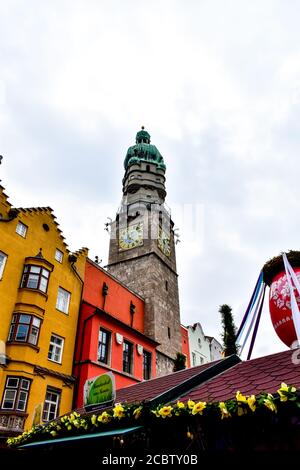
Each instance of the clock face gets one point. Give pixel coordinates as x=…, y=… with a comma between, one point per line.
x=163, y=242
x=131, y=237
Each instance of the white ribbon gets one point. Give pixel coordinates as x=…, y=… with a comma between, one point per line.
x=290, y=274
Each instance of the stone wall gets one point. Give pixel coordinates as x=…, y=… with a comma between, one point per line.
x=157, y=283
x=164, y=365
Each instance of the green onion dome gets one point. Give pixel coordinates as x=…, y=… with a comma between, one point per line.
x=143, y=151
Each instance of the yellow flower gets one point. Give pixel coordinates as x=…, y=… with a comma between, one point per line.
x=283, y=390
x=240, y=397
x=199, y=407
x=286, y=388
x=53, y=433
x=269, y=403
x=180, y=405
x=119, y=411
x=156, y=413
x=94, y=419
x=137, y=412
x=224, y=412
x=69, y=427
x=251, y=402
x=104, y=417
x=165, y=411
x=189, y=435
x=283, y=397
x=191, y=404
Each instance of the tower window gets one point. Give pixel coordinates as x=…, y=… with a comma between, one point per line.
x=169, y=332
x=167, y=286
x=148, y=168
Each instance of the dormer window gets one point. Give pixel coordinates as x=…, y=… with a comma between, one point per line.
x=35, y=277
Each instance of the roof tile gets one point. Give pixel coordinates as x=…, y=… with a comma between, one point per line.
x=150, y=389
x=250, y=377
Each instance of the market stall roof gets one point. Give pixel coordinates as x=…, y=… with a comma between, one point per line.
x=251, y=377
x=169, y=387
x=98, y=435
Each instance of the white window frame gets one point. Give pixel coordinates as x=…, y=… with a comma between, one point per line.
x=58, y=255
x=22, y=387
x=56, y=348
x=48, y=403
x=3, y=259
x=21, y=229
x=63, y=300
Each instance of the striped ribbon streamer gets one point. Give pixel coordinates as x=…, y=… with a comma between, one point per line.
x=256, y=310
x=247, y=316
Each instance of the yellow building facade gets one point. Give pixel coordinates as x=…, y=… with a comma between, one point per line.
x=40, y=294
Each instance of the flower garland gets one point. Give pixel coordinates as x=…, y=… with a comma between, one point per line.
x=75, y=423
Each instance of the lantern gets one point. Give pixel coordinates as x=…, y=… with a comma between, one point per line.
x=279, y=296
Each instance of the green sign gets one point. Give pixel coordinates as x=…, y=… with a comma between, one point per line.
x=99, y=390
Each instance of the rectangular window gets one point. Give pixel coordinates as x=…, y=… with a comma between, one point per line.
x=55, y=348
x=63, y=300
x=127, y=357
x=15, y=394
x=59, y=255
x=21, y=229
x=35, y=277
x=3, y=259
x=51, y=404
x=24, y=328
x=147, y=365
x=193, y=359
x=104, y=345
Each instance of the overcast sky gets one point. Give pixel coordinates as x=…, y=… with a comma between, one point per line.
x=217, y=85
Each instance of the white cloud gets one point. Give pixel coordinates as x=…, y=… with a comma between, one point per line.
x=217, y=84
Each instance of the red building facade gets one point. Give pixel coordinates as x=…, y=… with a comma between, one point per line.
x=185, y=345
x=110, y=333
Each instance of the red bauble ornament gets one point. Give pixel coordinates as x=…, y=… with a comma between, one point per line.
x=280, y=307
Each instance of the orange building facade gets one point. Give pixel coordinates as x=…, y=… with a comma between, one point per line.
x=110, y=336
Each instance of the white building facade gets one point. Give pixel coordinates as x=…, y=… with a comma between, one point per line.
x=203, y=349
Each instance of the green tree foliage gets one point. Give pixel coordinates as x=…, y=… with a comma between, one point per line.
x=229, y=330
x=180, y=362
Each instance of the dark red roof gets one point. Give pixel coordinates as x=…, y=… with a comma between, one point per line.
x=250, y=377
x=153, y=388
